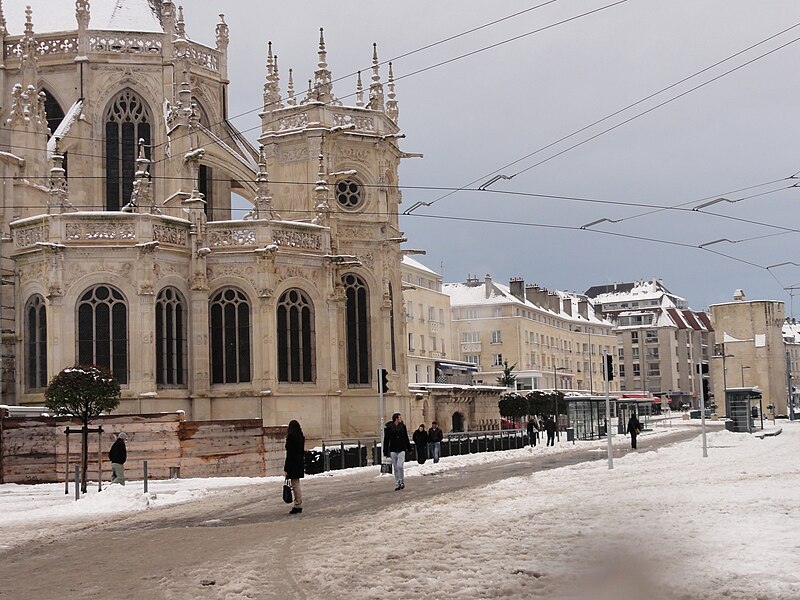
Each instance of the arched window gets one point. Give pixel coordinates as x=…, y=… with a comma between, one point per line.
x=127, y=121
x=36, y=343
x=357, y=329
x=295, y=338
x=103, y=331
x=171, y=355
x=55, y=114
x=230, y=337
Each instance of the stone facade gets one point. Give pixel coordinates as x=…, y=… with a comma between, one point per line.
x=129, y=258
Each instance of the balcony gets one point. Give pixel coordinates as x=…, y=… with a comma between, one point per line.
x=470, y=347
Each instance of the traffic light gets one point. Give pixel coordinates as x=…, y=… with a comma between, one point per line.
x=702, y=368
x=383, y=382
x=609, y=368
x=705, y=390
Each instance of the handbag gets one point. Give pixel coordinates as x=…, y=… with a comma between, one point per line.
x=287, y=492
x=386, y=466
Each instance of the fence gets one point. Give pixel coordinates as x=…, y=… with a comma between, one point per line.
x=348, y=453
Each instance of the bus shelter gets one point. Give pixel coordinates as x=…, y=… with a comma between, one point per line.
x=744, y=409
x=587, y=416
x=641, y=407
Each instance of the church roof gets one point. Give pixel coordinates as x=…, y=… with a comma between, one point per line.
x=59, y=15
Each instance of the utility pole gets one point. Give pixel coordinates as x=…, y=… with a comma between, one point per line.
x=703, y=405
x=608, y=374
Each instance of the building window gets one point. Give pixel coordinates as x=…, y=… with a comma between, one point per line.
x=205, y=185
x=469, y=313
x=103, y=331
x=409, y=310
x=441, y=316
x=36, y=343
x=126, y=122
x=230, y=337
x=634, y=353
x=652, y=353
x=429, y=374
x=621, y=368
x=357, y=329
x=470, y=337
x=636, y=370
x=653, y=369
x=433, y=344
x=295, y=334
x=475, y=359
x=621, y=353
x=497, y=360
x=171, y=354
x=431, y=313
x=498, y=311
x=349, y=194
x=651, y=336
x=497, y=338
x=410, y=342
x=634, y=337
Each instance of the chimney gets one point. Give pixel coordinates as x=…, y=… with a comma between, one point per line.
x=536, y=295
x=517, y=285
x=554, y=302
x=583, y=308
x=487, y=282
x=567, y=305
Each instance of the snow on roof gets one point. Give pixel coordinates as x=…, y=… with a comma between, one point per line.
x=638, y=291
x=463, y=294
x=415, y=264
x=59, y=15
x=791, y=332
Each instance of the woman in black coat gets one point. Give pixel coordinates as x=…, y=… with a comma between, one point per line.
x=421, y=444
x=633, y=428
x=293, y=468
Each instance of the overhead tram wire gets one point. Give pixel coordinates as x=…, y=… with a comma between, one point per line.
x=617, y=112
x=343, y=77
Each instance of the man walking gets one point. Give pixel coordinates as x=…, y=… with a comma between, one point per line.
x=395, y=445
x=633, y=428
x=435, y=441
x=533, y=432
x=118, y=455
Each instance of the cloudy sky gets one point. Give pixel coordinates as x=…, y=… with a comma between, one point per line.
x=574, y=63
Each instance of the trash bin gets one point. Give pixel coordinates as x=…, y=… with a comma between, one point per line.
x=571, y=434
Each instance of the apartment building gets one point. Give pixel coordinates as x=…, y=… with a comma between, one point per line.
x=554, y=338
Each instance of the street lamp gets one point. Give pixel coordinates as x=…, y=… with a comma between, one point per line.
x=555, y=398
x=743, y=368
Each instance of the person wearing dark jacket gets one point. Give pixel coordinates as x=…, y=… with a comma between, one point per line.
x=533, y=432
x=294, y=466
x=118, y=455
x=421, y=444
x=435, y=442
x=633, y=428
x=550, y=428
x=395, y=445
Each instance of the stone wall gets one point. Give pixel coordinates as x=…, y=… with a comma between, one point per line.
x=34, y=449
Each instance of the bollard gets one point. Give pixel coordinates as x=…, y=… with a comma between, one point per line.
x=341, y=449
x=77, y=483
x=359, y=453
x=144, y=474
x=326, y=459
x=376, y=459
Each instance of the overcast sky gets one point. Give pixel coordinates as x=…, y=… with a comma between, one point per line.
x=475, y=115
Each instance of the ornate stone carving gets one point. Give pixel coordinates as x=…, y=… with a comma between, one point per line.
x=46, y=46
x=297, y=239
x=124, y=43
x=169, y=234
x=28, y=236
x=351, y=232
x=296, y=121
x=288, y=155
x=105, y=230
x=233, y=270
x=362, y=123
x=221, y=238
x=352, y=154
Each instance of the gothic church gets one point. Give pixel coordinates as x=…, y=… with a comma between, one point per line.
x=118, y=165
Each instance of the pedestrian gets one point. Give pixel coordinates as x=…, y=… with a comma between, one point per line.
x=532, y=432
x=395, y=445
x=118, y=455
x=634, y=426
x=550, y=428
x=421, y=444
x=294, y=466
x=435, y=442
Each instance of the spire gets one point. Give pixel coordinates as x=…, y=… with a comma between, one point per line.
x=359, y=91
x=375, y=88
x=29, y=69
x=322, y=76
x=309, y=94
x=58, y=189
x=276, y=84
x=142, y=195
x=82, y=13
x=222, y=33
x=180, y=26
x=262, y=205
x=272, y=92
x=290, y=99
x=391, y=104
x=321, y=193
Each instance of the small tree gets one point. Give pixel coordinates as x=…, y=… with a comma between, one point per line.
x=84, y=392
x=508, y=378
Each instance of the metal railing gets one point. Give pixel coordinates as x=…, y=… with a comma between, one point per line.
x=348, y=453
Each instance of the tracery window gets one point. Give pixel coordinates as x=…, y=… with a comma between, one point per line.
x=103, y=331
x=230, y=337
x=357, y=329
x=296, y=341
x=36, y=342
x=349, y=193
x=127, y=121
x=171, y=345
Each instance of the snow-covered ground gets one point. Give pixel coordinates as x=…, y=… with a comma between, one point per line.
x=661, y=524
